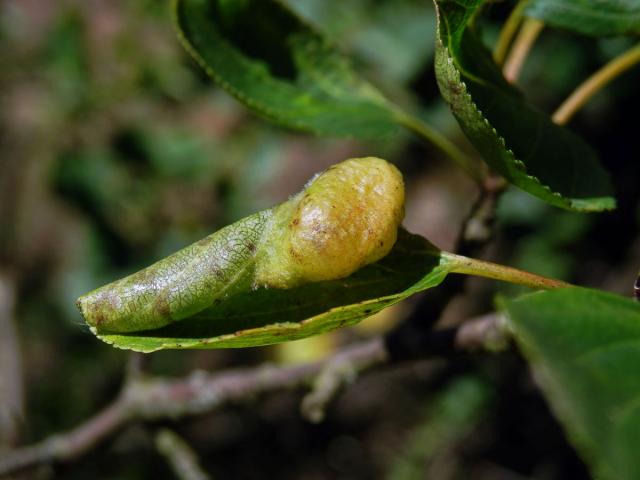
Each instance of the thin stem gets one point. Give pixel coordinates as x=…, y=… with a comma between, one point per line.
x=477, y=228
x=443, y=144
x=179, y=454
x=11, y=371
x=481, y=268
x=337, y=372
x=509, y=30
x=154, y=398
x=529, y=32
x=595, y=83
x=70, y=445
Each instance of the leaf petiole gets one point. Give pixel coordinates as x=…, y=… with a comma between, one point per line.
x=529, y=32
x=495, y=271
x=509, y=30
x=595, y=83
x=442, y=143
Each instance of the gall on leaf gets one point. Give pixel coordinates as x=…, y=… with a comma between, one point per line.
x=345, y=218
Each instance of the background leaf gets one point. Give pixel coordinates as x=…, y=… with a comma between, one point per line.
x=280, y=67
x=601, y=18
x=584, y=347
x=267, y=316
x=515, y=139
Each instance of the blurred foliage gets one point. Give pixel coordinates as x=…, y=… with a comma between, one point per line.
x=384, y=37
x=117, y=151
x=449, y=417
x=590, y=380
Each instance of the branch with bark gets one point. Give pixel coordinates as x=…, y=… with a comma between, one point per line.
x=182, y=459
x=151, y=398
x=11, y=378
x=147, y=398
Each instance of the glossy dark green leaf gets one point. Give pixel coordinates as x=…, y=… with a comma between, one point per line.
x=514, y=138
x=584, y=347
x=281, y=68
x=267, y=316
x=598, y=18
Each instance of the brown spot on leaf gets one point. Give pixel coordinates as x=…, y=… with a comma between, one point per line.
x=203, y=241
x=455, y=88
x=161, y=306
x=218, y=273
x=99, y=318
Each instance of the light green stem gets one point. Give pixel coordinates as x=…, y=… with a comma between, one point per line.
x=529, y=32
x=508, y=31
x=481, y=268
x=595, y=83
x=442, y=143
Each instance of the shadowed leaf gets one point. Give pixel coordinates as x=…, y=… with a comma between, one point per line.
x=515, y=139
x=584, y=347
x=280, y=67
x=601, y=18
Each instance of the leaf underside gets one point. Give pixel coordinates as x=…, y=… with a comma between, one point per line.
x=515, y=139
x=601, y=18
x=267, y=316
x=584, y=347
x=281, y=68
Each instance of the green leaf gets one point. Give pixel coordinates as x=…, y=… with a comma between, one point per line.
x=601, y=18
x=280, y=67
x=584, y=347
x=327, y=257
x=285, y=273
x=267, y=316
x=283, y=69
x=514, y=138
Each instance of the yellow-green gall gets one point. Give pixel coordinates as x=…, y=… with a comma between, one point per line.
x=345, y=218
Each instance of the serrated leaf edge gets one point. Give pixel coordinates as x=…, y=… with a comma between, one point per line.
x=562, y=200
x=255, y=105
